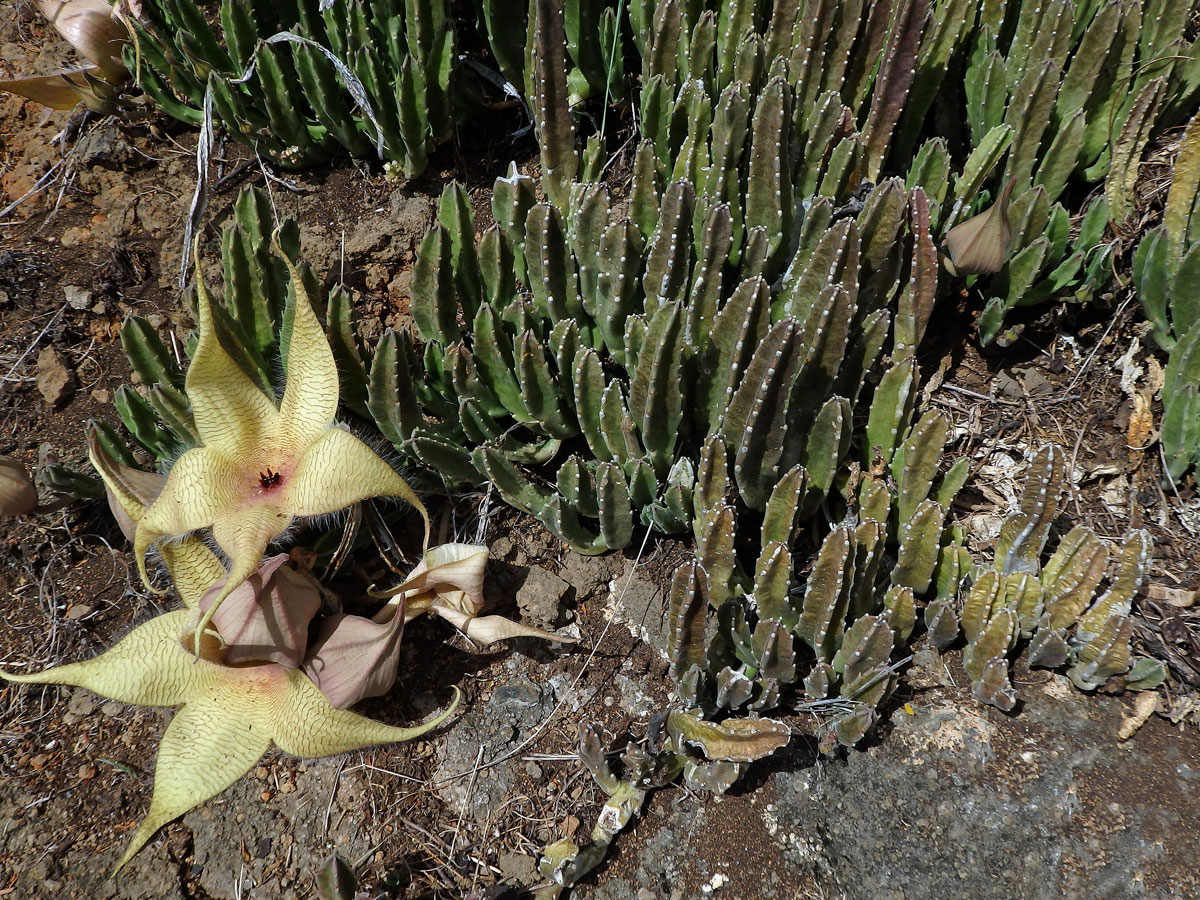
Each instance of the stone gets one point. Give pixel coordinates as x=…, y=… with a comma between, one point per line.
x=78, y=298
x=517, y=867
x=411, y=214
x=104, y=147
x=961, y=800
x=640, y=605
x=540, y=598
x=55, y=380
x=485, y=734
x=83, y=702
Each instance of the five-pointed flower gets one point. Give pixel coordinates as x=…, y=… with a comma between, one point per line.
x=229, y=715
x=259, y=465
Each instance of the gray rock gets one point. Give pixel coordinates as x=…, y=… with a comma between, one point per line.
x=517, y=868
x=962, y=801
x=639, y=605
x=82, y=702
x=77, y=297
x=104, y=147
x=411, y=214
x=467, y=784
x=590, y=575
x=704, y=848
x=371, y=237
x=382, y=239
x=540, y=598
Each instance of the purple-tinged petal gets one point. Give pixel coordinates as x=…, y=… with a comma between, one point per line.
x=354, y=657
x=266, y=617
x=452, y=571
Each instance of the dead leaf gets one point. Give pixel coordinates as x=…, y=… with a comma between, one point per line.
x=1140, y=433
x=1177, y=597
x=1143, y=708
x=569, y=826
x=1154, y=375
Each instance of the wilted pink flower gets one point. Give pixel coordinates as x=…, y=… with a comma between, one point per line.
x=266, y=618
x=354, y=657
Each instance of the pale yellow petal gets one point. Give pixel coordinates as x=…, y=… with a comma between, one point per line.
x=231, y=413
x=149, y=667
x=199, y=488
x=209, y=745
x=310, y=397
x=308, y=725
x=193, y=567
x=339, y=470
x=129, y=491
x=244, y=538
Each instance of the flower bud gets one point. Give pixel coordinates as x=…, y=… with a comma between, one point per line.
x=18, y=495
x=979, y=246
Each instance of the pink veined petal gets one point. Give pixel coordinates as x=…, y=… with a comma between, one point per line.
x=266, y=618
x=354, y=657
x=454, y=572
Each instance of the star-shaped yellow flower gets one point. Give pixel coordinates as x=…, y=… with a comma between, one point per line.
x=259, y=466
x=229, y=715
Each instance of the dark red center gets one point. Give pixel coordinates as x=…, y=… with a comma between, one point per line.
x=268, y=480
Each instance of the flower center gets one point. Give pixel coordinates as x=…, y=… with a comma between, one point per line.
x=261, y=478
x=268, y=480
